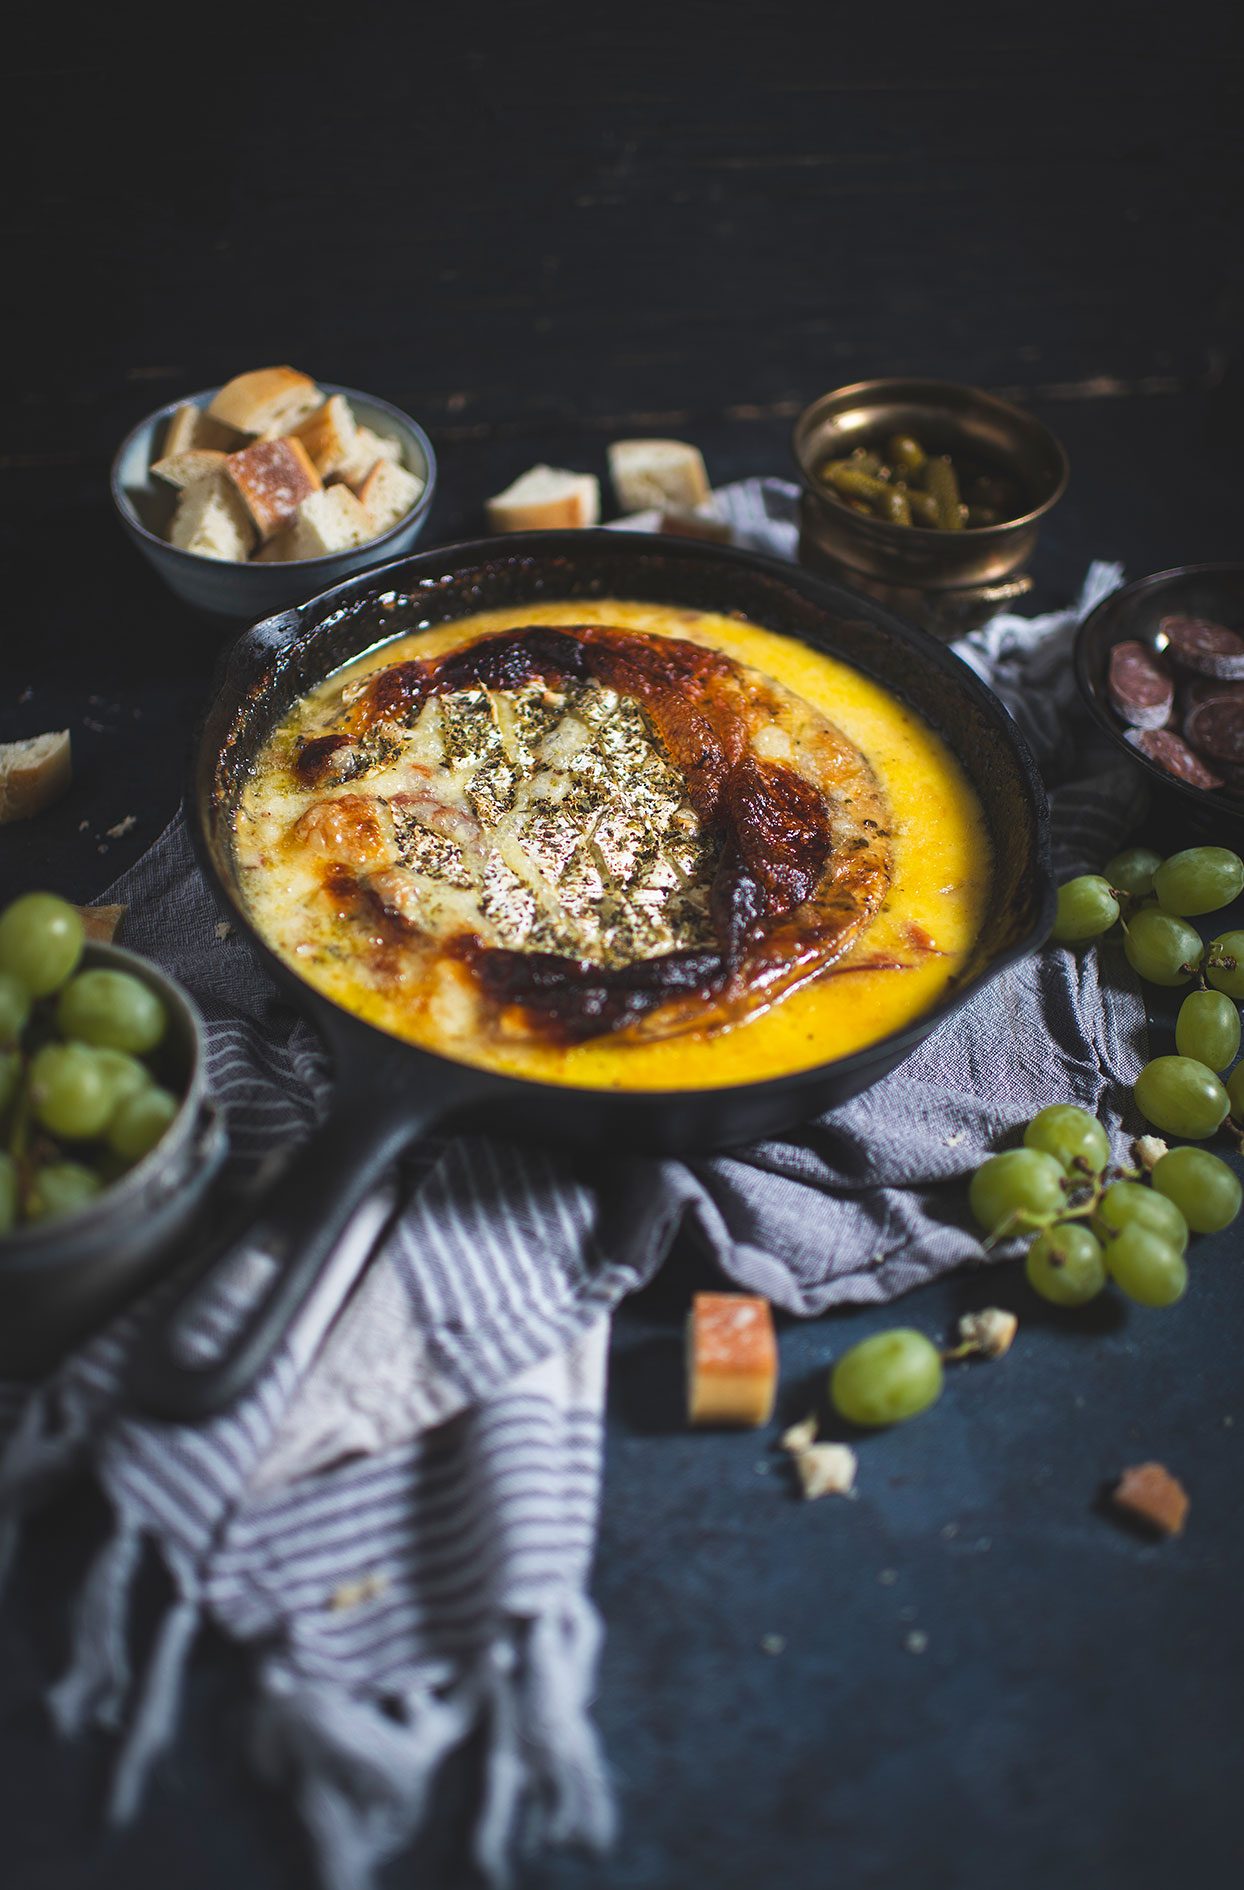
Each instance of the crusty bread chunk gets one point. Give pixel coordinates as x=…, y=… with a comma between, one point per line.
x=100, y=922
x=274, y=477
x=328, y=434
x=265, y=401
x=192, y=427
x=367, y=448
x=330, y=520
x=544, y=498
x=657, y=472
x=387, y=494
x=182, y=469
x=212, y=520
x=732, y=1359
x=33, y=774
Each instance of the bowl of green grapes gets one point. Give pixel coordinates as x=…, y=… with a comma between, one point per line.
x=108, y=1138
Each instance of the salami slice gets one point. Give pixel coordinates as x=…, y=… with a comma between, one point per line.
x=1166, y=748
x=1205, y=689
x=1215, y=728
x=1140, y=686
x=1204, y=646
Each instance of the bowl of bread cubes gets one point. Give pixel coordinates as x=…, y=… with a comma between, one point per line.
x=259, y=494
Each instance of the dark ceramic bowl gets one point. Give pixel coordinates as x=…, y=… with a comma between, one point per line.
x=1134, y=614
x=145, y=507
x=59, y=1279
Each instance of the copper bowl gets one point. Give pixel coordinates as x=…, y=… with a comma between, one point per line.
x=947, y=581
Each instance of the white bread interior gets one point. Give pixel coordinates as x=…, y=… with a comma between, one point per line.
x=212, y=520
x=645, y=473
x=192, y=427
x=330, y=520
x=545, y=498
x=196, y=462
x=33, y=774
x=328, y=435
x=368, y=447
x=265, y=400
x=387, y=494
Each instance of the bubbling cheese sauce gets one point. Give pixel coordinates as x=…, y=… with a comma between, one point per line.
x=913, y=950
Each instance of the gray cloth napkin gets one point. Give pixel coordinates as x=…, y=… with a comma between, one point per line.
x=399, y=1519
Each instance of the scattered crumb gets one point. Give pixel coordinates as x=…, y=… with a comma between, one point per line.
x=224, y=929
x=83, y=826
x=1149, y=1150
x=989, y=1332
x=827, y=1470
x=949, y=1531
x=888, y=1577
x=877, y=1260
x=799, y=1436
x=353, y=1594
x=123, y=827
x=103, y=848
x=100, y=922
x=1149, y=1491
x=953, y=1141
x=773, y=1644
x=916, y=1641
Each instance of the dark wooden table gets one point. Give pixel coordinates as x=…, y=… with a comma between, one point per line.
x=538, y=230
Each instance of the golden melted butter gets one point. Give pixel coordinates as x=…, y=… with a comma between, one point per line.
x=940, y=878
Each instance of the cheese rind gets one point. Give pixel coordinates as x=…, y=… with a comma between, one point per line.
x=732, y=1360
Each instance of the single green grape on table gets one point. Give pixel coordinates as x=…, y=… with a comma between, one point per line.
x=1161, y=948
x=1017, y=1191
x=1075, y=1139
x=1206, y=1192
x=1065, y=1264
x=1200, y=879
x=1146, y=1267
x=1224, y=964
x=1086, y=909
x=886, y=1378
x=1128, y=1202
x=1182, y=1097
x=1208, y=1029
x=1132, y=871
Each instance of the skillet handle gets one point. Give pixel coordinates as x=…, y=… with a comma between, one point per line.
x=208, y=1347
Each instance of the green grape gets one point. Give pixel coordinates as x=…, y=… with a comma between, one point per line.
x=1182, y=1097
x=889, y=1377
x=1132, y=871
x=60, y=1188
x=1065, y=1265
x=1208, y=1029
x=69, y=1092
x=1204, y=1189
x=1235, y=1092
x=8, y=1193
x=1148, y=1268
x=1224, y=964
x=41, y=940
x=1161, y=948
x=1017, y=1191
x=1075, y=1139
x=125, y=1074
x=140, y=1122
x=1128, y=1203
x=15, y=1003
x=1201, y=879
x=1086, y=909
x=10, y=1077
x=112, y=1009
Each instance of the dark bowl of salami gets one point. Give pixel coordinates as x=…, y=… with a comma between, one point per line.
x=1160, y=664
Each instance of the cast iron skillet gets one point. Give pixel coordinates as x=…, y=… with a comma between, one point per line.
x=387, y=1092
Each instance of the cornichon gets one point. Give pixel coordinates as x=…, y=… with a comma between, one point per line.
x=910, y=486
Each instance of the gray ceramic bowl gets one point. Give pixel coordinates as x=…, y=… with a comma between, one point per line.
x=145, y=507
x=59, y=1279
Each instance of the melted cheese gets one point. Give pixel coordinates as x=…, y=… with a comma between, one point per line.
x=914, y=950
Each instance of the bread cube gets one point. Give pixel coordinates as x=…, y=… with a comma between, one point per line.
x=267, y=401
x=191, y=428
x=388, y=493
x=332, y=519
x=196, y=462
x=543, y=498
x=273, y=477
x=366, y=450
x=212, y=520
x=328, y=434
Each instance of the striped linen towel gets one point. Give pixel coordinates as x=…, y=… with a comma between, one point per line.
x=399, y=1519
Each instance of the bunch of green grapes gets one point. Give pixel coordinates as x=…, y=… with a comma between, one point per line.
x=78, y=1104
x=1090, y=1223
x=1154, y=899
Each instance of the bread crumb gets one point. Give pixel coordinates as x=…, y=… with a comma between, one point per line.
x=1149, y=1150
x=916, y=1641
x=773, y=1644
x=123, y=827
x=990, y=1332
x=100, y=922
x=1150, y=1492
x=799, y=1436
x=888, y=1577
x=827, y=1470
x=353, y=1594
x=224, y=929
